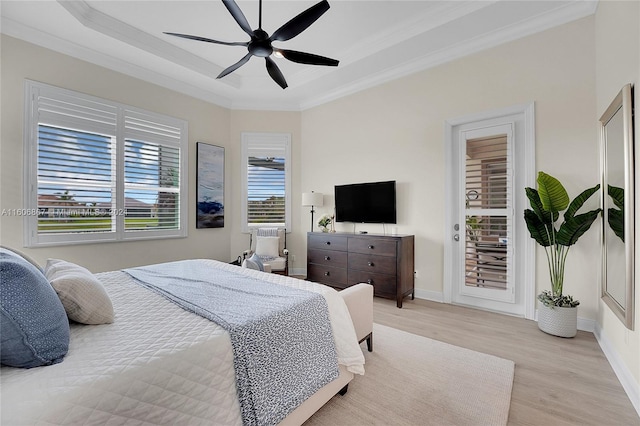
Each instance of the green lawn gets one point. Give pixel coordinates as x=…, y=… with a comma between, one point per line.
x=88, y=224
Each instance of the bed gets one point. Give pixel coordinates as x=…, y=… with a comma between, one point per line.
x=158, y=363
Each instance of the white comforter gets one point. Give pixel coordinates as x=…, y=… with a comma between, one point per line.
x=156, y=364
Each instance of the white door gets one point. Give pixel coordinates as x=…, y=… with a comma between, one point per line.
x=487, y=245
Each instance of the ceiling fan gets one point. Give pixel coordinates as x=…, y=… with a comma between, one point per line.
x=261, y=43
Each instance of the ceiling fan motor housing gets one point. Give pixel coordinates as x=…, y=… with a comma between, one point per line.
x=260, y=44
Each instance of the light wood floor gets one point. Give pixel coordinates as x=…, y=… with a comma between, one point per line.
x=557, y=381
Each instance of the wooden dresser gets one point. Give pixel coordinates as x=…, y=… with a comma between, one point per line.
x=341, y=260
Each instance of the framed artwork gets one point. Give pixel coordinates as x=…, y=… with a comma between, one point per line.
x=209, y=186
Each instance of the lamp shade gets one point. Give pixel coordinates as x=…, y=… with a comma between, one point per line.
x=311, y=199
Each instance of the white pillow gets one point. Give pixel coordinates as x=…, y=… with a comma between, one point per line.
x=267, y=246
x=84, y=298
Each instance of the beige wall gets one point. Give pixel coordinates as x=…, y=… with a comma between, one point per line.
x=396, y=131
x=207, y=123
x=618, y=63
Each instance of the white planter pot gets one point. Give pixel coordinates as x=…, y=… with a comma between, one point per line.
x=558, y=321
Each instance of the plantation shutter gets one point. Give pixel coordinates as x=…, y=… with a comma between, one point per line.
x=97, y=170
x=152, y=174
x=488, y=212
x=75, y=157
x=75, y=181
x=266, y=160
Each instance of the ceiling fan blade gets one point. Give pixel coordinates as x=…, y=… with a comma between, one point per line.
x=308, y=58
x=237, y=14
x=301, y=22
x=208, y=40
x=275, y=73
x=235, y=66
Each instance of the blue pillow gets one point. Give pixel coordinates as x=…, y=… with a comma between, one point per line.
x=256, y=259
x=34, y=328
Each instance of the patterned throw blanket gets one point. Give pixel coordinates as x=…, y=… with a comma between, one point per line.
x=282, y=340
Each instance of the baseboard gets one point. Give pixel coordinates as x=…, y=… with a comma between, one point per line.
x=628, y=382
x=586, y=324
x=434, y=296
x=298, y=271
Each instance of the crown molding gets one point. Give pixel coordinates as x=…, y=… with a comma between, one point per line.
x=229, y=91
x=562, y=15
x=114, y=28
x=56, y=44
x=429, y=19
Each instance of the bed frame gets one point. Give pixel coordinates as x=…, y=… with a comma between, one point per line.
x=359, y=300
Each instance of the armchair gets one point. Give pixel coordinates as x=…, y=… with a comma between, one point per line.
x=270, y=245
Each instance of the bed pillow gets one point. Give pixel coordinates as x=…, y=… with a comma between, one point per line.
x=25, y=257
x=34, y=327
x=84, y=298
x=256, y=259
x=267, y=246
x=250, y=264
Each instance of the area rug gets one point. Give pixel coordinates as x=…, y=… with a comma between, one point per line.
x=413, y=380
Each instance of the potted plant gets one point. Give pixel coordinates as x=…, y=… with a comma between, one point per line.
x=557, y=312
x=324, y=222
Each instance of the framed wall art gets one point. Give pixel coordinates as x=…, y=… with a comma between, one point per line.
x=209, y=186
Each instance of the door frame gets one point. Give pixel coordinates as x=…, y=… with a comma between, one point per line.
x=524, y=160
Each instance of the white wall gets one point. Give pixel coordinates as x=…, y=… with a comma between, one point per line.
x=207, y=123
x=617, y=25
x=396, y=131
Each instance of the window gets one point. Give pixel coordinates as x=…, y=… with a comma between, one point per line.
x=266, y=168
x=97, y=170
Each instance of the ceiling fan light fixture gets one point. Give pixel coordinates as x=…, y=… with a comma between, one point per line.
x=260, y=43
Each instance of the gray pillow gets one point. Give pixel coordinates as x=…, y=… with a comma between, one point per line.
x=34, y=327
x=250, y=264
x=256, y=259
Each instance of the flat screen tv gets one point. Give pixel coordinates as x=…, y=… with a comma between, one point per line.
x=373, y=202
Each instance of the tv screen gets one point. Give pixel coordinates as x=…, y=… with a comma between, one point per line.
x=373, y=202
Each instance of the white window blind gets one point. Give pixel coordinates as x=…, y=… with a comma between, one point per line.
x=266, y=180
x=97, y=170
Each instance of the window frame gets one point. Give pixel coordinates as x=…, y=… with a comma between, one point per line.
x=32, y=111
x=269, y=145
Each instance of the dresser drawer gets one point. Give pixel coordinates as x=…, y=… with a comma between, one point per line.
x=327, y=241
x=372, y=246
x=371, y=263
x=383, y=285
x=332, y=276
x=328, y=258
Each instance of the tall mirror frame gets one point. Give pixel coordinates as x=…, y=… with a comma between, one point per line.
x=618, y=206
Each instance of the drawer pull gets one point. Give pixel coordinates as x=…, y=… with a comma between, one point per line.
x=370, y=263
x=370, y=281
x=326, y=274
x=371, y=247
x=328, y=243
x=327, y=258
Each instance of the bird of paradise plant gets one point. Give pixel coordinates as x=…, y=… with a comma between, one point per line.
x=546, y=204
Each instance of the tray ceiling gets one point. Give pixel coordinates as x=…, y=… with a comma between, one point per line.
x=375, y=41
